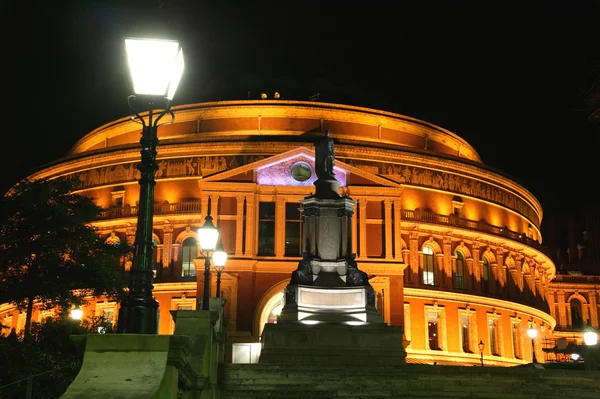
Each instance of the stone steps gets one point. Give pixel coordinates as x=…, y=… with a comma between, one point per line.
x=271, y=381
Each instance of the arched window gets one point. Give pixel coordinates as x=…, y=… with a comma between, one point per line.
x=428, y=271
x=485, y=281
x=576, y=314
x=190, y=250
x=459, y=278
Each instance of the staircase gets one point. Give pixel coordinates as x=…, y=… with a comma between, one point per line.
x=271, y=381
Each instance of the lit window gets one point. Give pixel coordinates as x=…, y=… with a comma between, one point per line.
x=465, y=334
x=428, y=270
x=190, y=250
x=433, y=330
x=493, y=338
x=266, y=228
x=293, y=229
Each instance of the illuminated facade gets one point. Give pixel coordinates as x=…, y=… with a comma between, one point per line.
x=452, y=247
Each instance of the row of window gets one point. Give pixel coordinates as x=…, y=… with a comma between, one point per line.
x=459, y=276
x=468, y=334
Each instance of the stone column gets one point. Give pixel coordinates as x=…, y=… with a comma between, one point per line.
x=552, y=304
x=519, y=272
x=414, y=256
x=362, y=206
x=388, y=228
x=251, y=224
x=447, y=263
x=204, y=205
x=476, y=268
x=167, y=245
x=279, y=226
x=397, y=230
x=239, y=225
x=562, y=309
x=214, y=208
x=354, y=229
x=593, y=308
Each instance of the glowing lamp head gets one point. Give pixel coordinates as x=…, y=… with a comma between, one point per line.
x=76, y=313
x=219, y=256
x=575, y=356
x=208, y=234
x=481, y=345
x=156, y=66
x=590, y=336
x=532, y=332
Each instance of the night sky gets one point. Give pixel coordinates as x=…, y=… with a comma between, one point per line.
x=505, y=76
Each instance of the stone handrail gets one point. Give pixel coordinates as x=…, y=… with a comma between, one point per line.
x=481, y=225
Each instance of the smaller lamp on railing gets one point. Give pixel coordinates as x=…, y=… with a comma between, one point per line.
x=219, y=257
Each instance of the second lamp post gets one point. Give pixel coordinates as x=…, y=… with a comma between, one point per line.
x=208, y=236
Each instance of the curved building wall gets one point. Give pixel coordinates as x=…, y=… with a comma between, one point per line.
x=451, y=246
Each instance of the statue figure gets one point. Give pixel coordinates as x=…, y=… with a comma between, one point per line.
x=324, y=157
x=354, y=276
x=303, y=274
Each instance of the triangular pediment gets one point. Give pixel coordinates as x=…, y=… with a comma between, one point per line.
x=296, y=168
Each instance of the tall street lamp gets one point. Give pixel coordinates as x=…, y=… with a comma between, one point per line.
x=208, y=236
x=156, y=68
x=219, y=258
x=481, y=346
x=532, y=333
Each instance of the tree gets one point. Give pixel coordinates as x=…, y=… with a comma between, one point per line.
x=49, y=251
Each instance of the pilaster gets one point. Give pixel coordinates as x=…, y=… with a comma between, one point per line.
x=447, y=268
x=362, y=206
x=167, y=245
x=279, y=226
x=239, y=224
x=251, y=224
x=388, y=229
x=397, y=230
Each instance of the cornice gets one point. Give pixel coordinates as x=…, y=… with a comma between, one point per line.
x=295, y=109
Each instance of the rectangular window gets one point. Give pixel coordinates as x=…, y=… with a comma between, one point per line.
x=464, y=330
x=109, y=315
x=185, y=306
x=266, y=228
x=516, y=339
x=492, y=338
x=293, y=229
x=433, y=331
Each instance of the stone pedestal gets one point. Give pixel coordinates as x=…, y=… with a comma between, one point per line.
x=328, y=343
x=314, y=305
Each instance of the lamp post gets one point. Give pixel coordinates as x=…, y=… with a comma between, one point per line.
x=219, y=257
x=532, y=333
x=156, y=67
x=208, y=236
x=481, y=346
x=590, y=338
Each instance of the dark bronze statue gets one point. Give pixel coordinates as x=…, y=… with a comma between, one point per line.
x=354, y=276
x=324, y=156
x=303, y=275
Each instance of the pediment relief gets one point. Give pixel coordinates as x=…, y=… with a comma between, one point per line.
x=297, y=168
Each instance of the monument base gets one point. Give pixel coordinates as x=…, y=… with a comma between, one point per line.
x=373, y=344
x=314, y=305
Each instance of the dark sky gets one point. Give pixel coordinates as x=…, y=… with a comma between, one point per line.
x=505, y=76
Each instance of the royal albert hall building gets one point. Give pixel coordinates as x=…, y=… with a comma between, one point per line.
x=451, y=246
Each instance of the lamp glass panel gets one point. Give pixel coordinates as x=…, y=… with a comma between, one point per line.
x=152, y=64
x=208, y=237
x=219, y=257
x=176, y=77
x=76, y=314
x=590, y=338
